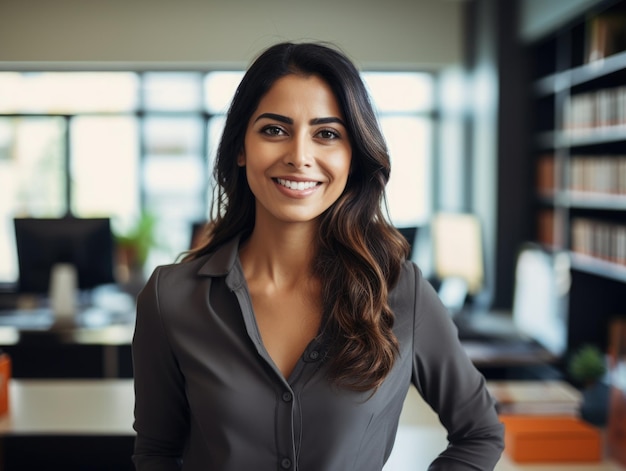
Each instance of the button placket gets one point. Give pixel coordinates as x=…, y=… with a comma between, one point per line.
x=286, y=401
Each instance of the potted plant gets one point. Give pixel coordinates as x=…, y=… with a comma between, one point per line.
x=133, y=247
x=587, y=366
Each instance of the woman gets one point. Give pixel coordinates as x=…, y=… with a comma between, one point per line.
x=289, y=340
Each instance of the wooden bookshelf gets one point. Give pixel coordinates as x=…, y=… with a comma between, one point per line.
x=578, y=126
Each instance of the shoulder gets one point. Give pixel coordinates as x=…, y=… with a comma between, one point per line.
x=403, y=296
x=413, y=294
x=176, y=272
x=410, y=281
x=174, y=279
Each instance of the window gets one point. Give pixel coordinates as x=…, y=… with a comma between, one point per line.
x=405, y=104
x=121, y=143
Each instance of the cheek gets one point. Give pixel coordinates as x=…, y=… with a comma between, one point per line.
x=342, y=166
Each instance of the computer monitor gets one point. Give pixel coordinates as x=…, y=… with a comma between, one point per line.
x=43, y=243
x=457, y=255
x=541, y=298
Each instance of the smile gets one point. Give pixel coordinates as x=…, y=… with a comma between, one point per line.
x=297, y=185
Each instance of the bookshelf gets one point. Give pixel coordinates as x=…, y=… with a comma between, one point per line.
x=578, y=147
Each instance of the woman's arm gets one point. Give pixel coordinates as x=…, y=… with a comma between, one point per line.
x=451, y=385
x=161, y=410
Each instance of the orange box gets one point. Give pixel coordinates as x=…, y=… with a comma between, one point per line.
x=5, y=378
x=532, y=439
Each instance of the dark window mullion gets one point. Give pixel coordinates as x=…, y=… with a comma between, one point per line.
x=68, y=164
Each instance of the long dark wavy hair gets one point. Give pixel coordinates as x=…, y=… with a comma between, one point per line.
x=359, y=253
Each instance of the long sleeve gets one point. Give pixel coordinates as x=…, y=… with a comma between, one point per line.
x=161, y=410
x=451, y=385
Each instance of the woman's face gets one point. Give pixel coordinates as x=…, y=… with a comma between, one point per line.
x=297, y=151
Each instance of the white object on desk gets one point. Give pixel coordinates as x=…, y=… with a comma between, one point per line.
x=63, y=291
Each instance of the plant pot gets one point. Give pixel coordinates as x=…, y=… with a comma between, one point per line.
x=595, y=405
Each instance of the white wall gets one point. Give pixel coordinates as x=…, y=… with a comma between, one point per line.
x=406, y=34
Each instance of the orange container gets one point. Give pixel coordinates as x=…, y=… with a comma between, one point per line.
x=5, y=378
x=532, y=439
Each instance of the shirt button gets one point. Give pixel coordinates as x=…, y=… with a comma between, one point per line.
x=285, y=463
x=314, y=355
x=287, y=396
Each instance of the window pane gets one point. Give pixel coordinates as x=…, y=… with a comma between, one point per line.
x=67, y=92
x=172, y=136
x=401, y=92
x=410, y=145
x=172, y=91
x=220, y=88
x=105, y=155
x=173, y=179
x=32, y=178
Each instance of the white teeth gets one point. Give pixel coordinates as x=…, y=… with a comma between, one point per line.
x=296, y=185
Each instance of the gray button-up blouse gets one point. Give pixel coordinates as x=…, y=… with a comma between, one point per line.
x=208, y=396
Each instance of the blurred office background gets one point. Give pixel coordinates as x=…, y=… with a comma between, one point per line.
x=114, y=110
x=500, y=116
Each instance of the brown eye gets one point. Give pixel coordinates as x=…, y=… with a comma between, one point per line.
x=328, y=134
x=273, y=131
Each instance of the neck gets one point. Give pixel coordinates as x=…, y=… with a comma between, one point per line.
x=282, y=255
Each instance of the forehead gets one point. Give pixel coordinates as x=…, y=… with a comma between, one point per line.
x=301, y=93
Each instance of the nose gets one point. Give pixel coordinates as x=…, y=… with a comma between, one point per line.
x=300, y=152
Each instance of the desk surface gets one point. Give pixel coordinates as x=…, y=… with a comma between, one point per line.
x=105, y=407
x=107, y=319
x=69, y=407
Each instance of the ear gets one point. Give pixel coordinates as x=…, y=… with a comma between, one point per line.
x=241, y=159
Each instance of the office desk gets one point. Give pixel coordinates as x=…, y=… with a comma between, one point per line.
x=68, y=425
x=94, y=344
x=94, y=417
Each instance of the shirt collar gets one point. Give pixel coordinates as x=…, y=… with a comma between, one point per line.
x=221, y=262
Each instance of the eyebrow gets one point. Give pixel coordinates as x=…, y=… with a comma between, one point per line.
x=287, y=120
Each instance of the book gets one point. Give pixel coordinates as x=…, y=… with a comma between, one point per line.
x=535, y=397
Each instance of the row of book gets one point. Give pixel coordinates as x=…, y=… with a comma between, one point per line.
x=585, y=173
x=549, y=233
x=598, y=174
x=601, y=108
x=546, y=174
x=599, y=239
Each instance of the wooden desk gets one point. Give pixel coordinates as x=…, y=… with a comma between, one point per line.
x=95, y=417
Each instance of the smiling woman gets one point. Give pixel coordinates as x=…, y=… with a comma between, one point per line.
x=296, y=151
x=290, y=337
